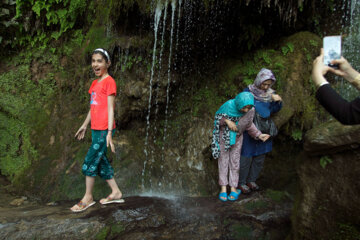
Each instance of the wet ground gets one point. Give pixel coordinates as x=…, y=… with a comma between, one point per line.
x=255, y=216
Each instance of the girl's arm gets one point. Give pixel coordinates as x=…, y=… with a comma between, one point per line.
x=256, y=134
x=253, y=131
x=111, y=103
x=231, y=124
x=81, y=132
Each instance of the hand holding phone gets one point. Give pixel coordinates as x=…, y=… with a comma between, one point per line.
x=332, y=50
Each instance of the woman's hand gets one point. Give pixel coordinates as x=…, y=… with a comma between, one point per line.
x=276, y=98
x=80, y=133
x=345, y=70
x=231, y=125
x=319, y=69
x=264, y=137
x=110, y=142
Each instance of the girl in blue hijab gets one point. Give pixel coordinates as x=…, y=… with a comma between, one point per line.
x=231, y=120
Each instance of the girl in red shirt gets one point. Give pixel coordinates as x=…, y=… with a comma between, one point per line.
x=101, y=116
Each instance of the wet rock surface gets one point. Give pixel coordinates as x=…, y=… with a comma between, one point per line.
x=331, y=137
x=255, y=216
x=329, y=181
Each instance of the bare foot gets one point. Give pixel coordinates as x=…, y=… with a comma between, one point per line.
x=80, y=206
x=84, y=204
x=115, y=197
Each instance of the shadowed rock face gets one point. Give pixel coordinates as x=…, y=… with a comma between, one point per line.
x=330, y=183
x=331, y=137
x=255, y=216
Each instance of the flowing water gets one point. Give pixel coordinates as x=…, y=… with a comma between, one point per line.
x=173, y=7
x=157, y=62
x=157, y=16
x=351, y=44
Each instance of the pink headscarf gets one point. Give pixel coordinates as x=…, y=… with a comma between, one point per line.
x=262, y=76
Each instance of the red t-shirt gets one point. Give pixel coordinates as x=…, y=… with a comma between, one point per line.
x=99, y=92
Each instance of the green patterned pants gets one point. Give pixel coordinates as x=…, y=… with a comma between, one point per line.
x=96, y=162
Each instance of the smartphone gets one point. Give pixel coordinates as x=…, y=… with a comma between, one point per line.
x=332, y=49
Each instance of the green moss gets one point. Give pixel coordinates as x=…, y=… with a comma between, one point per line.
x=276, y=196
x=256, y=205
x=240, y=231
x=116, y=229
x=103, y=233
x=96, y=38
x=21, y=112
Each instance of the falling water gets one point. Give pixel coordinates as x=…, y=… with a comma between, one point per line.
x=351, y=44
x=173, y=7
x=354, y=34
x=160, y=58
x=157, y=16
x=158, y=85
x=160, y=67
x=178, y=24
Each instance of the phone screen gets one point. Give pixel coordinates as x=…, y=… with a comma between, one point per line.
x=332, y=49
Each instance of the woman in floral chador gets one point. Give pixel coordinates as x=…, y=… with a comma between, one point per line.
x=253, y=151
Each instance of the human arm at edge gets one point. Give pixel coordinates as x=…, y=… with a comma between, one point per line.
x=111, y=103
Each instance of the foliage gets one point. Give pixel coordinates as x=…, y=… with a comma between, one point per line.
x=58, y=17
x=21, y=112
x=325, y=160
x=288, y=47
x=346, y=232
x=130, y=61
x=296, y=134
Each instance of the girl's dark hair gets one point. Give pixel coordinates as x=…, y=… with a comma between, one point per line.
x=103, y=53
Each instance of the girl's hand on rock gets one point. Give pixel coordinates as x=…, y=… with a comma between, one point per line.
x=264, y=137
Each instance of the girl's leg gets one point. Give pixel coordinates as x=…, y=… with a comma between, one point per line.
x=89, y=182
x=223, y=164
x=234, y=164
x=115, y=191
x=106, y=172
x=88, y=197
x=256, y=166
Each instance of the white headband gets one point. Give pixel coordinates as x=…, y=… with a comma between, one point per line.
x=104, y=52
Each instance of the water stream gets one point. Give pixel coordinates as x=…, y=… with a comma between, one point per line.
x=351, y=44
x=173, y=7
x=157, y=16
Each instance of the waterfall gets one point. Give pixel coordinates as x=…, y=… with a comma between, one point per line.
x=351, y=44
x=157, y=16
x=160, y=13
x=173, y=7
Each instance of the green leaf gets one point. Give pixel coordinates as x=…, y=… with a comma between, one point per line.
x=324, y=160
